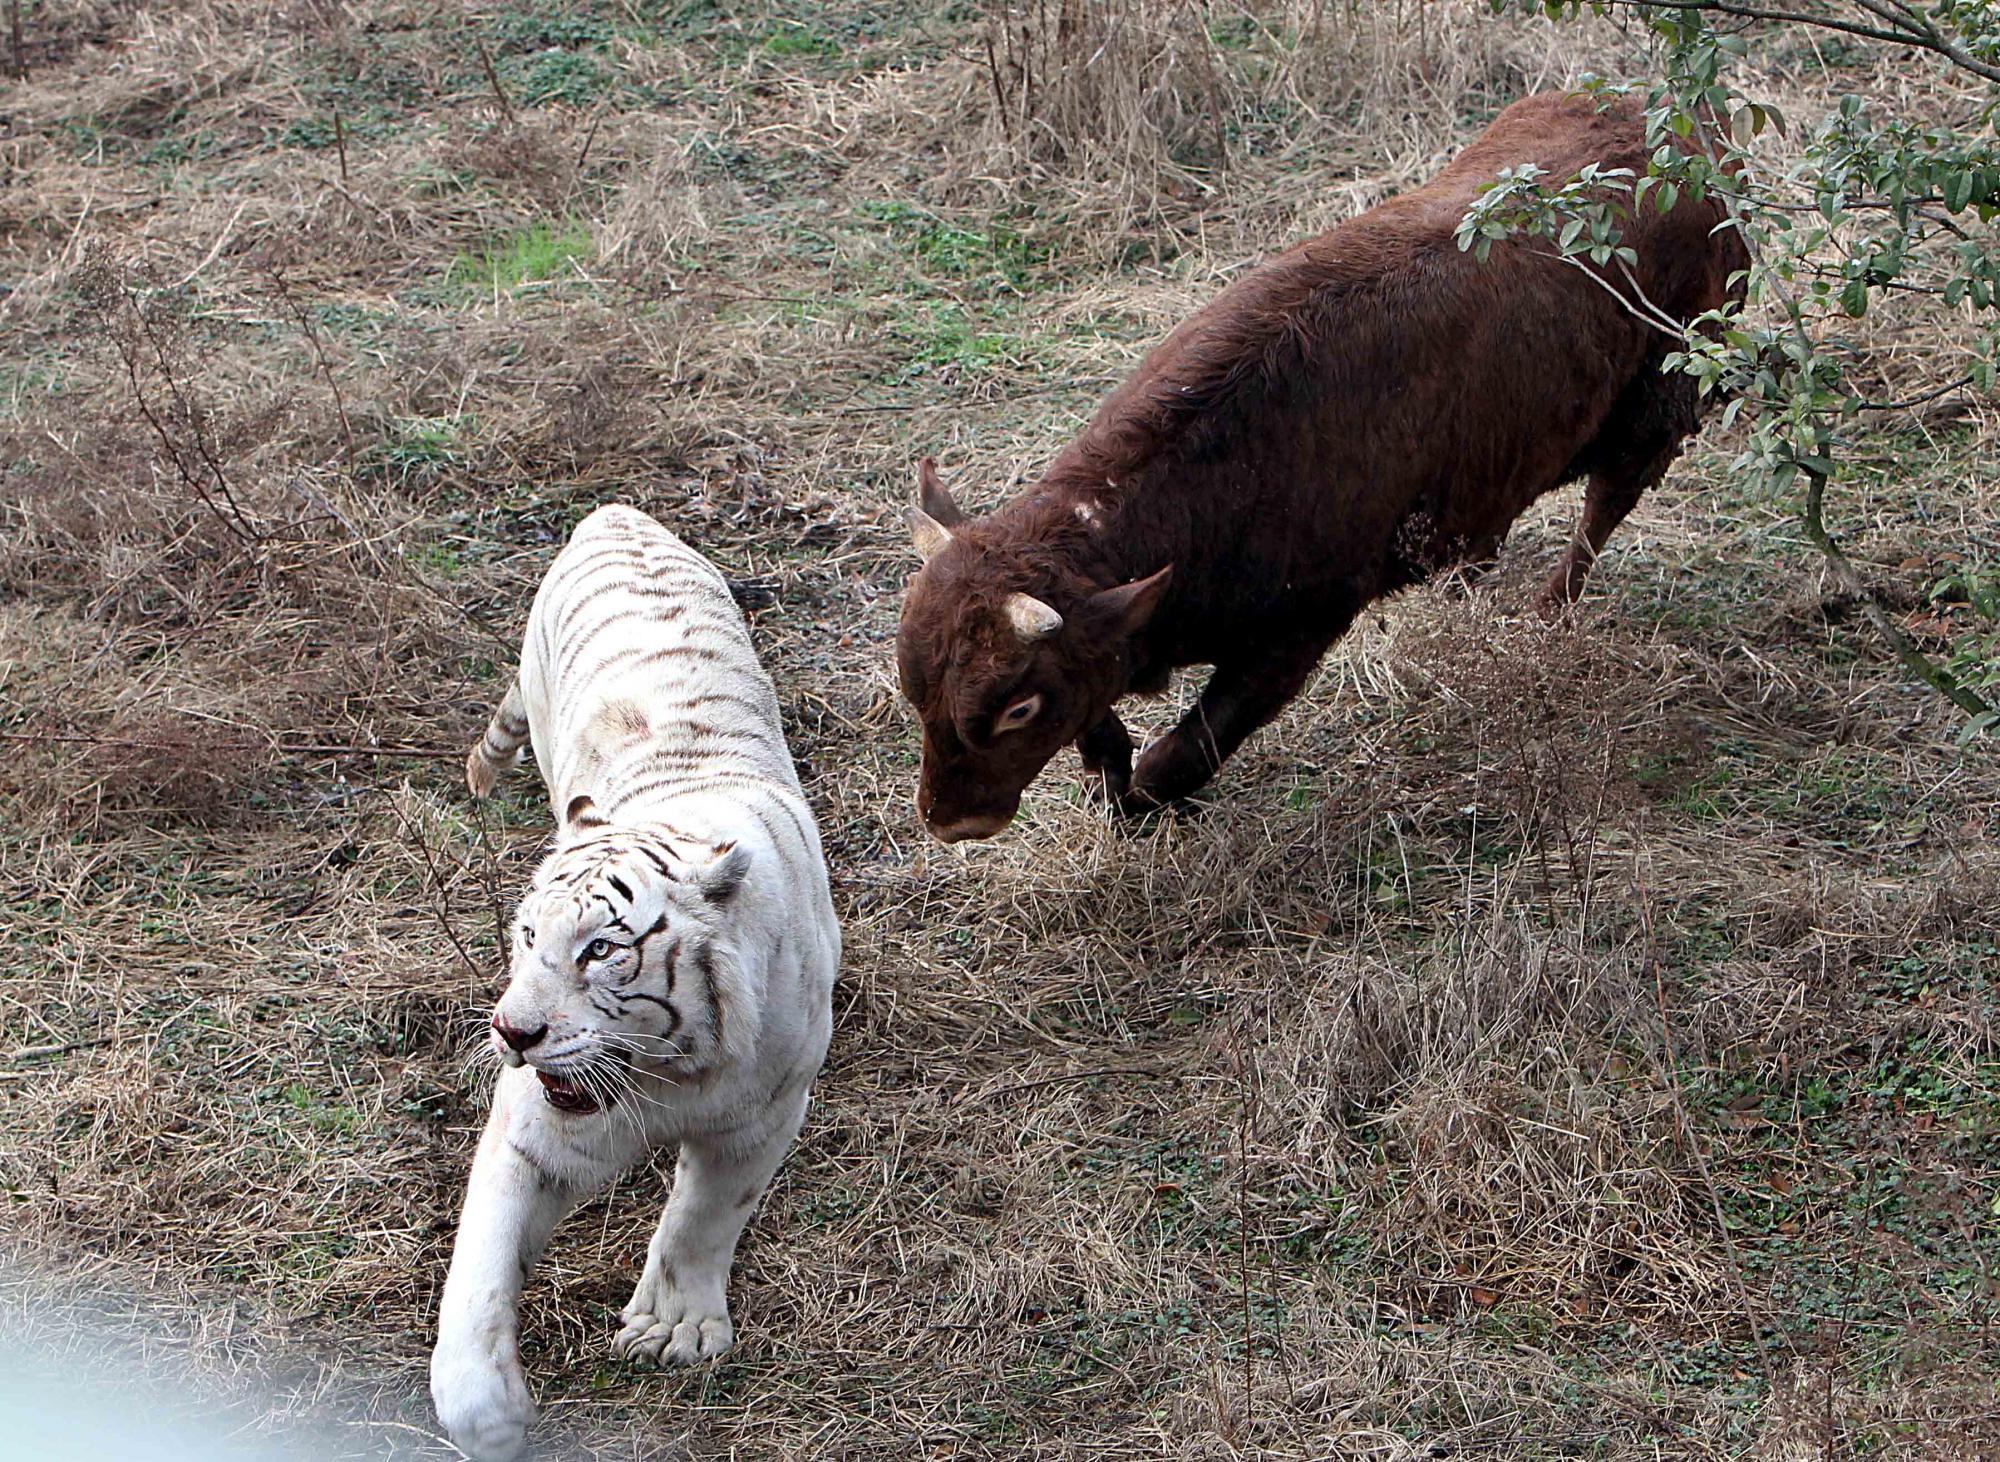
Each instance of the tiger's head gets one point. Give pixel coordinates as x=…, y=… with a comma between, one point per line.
x=621, y=964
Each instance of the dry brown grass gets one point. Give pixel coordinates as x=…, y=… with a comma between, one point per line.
x=1573, y=1042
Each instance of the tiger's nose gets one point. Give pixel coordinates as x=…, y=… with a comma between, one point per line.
x=516, y=1038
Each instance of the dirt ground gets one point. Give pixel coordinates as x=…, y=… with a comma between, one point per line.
x=1543, y=1042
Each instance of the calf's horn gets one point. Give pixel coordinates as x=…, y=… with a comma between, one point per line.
x=931, y=535
x=1032, y=619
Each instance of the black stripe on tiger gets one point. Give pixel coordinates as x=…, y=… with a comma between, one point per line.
x=704, y=961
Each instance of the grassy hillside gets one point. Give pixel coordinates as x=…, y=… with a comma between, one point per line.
x=1543, y=1042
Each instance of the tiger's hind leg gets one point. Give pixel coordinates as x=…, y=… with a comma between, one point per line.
x=500, y=747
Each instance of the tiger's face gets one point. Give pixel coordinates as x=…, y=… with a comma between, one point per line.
x=617, y=949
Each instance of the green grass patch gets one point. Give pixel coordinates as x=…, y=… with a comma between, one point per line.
x=990, y=251
x=799, y=38
x=420, y=448
x=532, y=256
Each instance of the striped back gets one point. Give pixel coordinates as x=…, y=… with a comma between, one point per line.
x=639, y=677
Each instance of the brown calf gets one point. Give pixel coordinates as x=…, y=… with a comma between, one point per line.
x=1344, y=419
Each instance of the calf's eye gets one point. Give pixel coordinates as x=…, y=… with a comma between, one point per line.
x=1018, y=715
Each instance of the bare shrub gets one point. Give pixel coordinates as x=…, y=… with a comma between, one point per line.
x=234, y=595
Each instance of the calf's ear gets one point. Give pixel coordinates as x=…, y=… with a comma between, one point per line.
x=933, y=500
x=1129, y=606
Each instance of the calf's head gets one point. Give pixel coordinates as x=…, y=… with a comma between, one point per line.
x=1009, y=653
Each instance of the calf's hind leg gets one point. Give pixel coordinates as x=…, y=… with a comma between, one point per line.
x=1238, y=698
x=1631, y=454
x=1606, y=501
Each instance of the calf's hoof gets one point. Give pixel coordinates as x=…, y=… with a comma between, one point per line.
x=1171, y=771
x=1106, y=786
x=1554, y=603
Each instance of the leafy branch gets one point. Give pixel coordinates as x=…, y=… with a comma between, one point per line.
x=1865, y=208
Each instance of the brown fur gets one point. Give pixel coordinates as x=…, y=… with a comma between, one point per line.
x=1359, y=411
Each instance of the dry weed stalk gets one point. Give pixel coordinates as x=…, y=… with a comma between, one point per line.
x=301, y=313
x=161, y=380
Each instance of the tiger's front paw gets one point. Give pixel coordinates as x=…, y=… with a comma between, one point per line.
x=675, y=1326
x=483, y=1401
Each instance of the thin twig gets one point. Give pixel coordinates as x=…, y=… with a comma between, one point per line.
x=304, y=317
x=277, y=748
x=35, y=1053
x=493, y=77
x=1945, y=390
x=1928, y=40
x=439, y=889
x=583, y=153
x=490, y=876
x=340, y=142
x=993, y=73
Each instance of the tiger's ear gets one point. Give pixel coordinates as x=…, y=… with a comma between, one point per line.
x=582, y=815
x=720, y=879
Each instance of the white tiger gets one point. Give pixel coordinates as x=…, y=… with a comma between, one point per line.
x=672, y=962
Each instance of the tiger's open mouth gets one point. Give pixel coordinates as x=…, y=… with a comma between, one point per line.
x=564, y=1095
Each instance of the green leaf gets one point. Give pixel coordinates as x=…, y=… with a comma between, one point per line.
x=1978, y=726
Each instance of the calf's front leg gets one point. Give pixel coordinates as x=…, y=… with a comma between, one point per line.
x=1106, y=750
x=1238, y=699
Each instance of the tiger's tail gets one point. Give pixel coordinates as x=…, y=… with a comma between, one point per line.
x=500, y=747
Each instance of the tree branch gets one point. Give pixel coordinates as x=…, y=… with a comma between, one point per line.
x=1914, y=660
x=1928, y=39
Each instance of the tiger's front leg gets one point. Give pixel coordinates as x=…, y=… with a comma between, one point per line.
x=679, y=1311
x=518, y=1192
